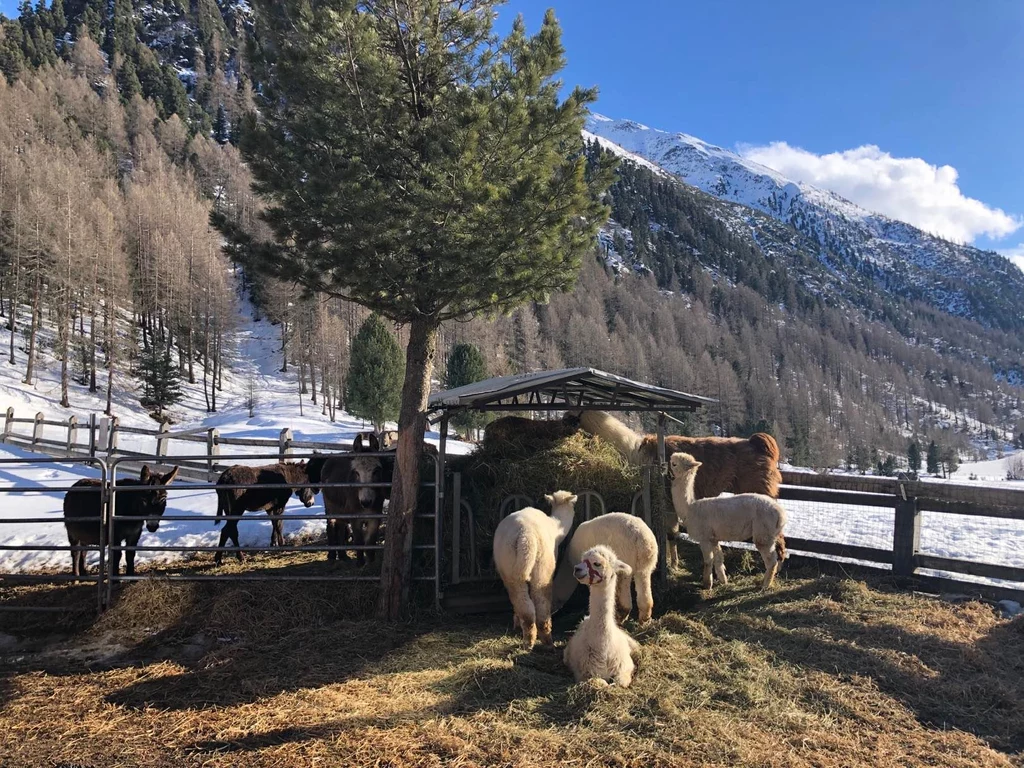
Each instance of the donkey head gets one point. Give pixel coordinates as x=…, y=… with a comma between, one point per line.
x=152, y=504
x=366, y=469
x=306, y=495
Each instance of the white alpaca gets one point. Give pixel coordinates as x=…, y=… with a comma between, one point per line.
x=525, y=551
x=634, y=544
x=729, y=518
x=601, y=649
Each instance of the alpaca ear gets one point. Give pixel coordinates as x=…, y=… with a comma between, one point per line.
x=145, y=473
x=623, y=569
x=169, y=476
x=549, y=499
x=572, y=499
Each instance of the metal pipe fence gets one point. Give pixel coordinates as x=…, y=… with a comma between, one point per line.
x=12, y=578
x=110, y=547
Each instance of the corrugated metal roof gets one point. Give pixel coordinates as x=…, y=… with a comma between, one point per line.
x=564, y=389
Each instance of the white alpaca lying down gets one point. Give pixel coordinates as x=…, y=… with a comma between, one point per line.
x=525, y=550
x=633, y=543
x=729, y=518
x=601, y=649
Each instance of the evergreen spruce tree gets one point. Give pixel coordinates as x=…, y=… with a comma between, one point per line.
x=373, y=390
x=428, y=186
x=221, y=126
x=914, y=457
x=932, y=459
x=161, y=381
x=175, y=97
x=466, y=365
x=127, y=80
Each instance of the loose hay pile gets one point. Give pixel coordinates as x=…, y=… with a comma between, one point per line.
x=575, y=463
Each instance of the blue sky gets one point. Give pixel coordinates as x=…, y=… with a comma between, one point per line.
x=910, y=107
x=941, y=81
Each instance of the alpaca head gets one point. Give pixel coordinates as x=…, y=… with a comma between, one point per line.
x=599, y=565
x=560, y=498
x=681, y=465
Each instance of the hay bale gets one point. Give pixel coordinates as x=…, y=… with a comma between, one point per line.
x=578, y=462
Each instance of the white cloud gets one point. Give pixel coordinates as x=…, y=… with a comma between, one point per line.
x=1016, y=255
x=905, y=188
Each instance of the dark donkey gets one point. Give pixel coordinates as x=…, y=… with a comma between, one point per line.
x=237, y=501
x=353, y=468
x=84, y=506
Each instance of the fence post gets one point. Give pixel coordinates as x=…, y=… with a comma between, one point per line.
x=72, y=433
x=37, y=428
x=212, y=449
x=161, y=439
x=906, y=534
x=92, y=434
x=112, y=438
x=285, y=442
x=8, y=423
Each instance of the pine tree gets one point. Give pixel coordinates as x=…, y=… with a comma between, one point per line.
x=914, y=456
x=466, y=365
x=435, y=186
x=221, y=126
x=175, y=97
x=59, y=22
x=161, y=381
x=127, y=80
x=373, y=390
x=932, y=459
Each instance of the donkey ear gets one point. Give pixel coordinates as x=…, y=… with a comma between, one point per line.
x=374, y=442
x=144, y=475
x=623, y=569
x=357, y=444
x=169, y=476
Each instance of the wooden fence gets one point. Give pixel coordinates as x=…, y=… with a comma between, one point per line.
x=99, y=436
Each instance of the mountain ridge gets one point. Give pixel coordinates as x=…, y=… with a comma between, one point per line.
x=958, y=279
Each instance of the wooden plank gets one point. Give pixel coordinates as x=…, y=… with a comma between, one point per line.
x=828, y=496
x=970, y=567
x=966, y=508
x=836, y=549
x=941, y=584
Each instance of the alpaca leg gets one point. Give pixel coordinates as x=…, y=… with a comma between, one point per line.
x=623, y=600
x=542, y=602
x=707, y=549
x=644, y=597
x=720, y=564
x=370, y=537
x=525, y=611
x=624, y=676
x=771, y=564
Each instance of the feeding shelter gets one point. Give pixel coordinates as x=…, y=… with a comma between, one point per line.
x=465, y=531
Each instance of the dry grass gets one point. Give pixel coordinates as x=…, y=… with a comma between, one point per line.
x=820, y=672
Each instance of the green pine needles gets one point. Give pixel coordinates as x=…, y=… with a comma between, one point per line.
x=373, y=389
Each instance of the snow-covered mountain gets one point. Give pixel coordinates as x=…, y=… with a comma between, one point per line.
x=958, y=279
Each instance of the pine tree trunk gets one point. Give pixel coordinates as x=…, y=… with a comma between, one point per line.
x=92, y=349
x=284, y=346
x=396, y=571
x=30, y=366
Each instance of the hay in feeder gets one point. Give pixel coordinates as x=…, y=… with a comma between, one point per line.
x=532, y=468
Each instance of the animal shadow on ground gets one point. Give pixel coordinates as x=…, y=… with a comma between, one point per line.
x=977, y=687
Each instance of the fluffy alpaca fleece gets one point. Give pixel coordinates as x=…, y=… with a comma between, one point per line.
x=634, y=543
x=525, y=553
x=601, y=649
x=729, y=464
x=732, y=518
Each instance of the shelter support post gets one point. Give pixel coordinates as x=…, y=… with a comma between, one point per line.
x=439, y=487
